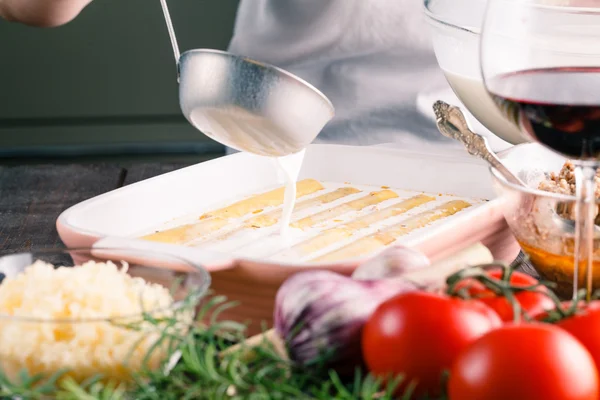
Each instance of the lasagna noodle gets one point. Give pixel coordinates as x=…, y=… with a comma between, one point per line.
x=274, y=198
x=185, y=233
x=371, y=199
x=271, y=218
x=215, y=220
x=385, y=237
x=338, y=233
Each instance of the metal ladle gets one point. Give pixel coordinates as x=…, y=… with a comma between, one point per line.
x=452, y=123
x=245, y=104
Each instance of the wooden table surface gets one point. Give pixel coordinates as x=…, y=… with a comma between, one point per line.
x=32, y=196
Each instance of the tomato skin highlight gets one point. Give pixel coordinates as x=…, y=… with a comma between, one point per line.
x=419, y=334
x=585, y=326
x=524, y=362
x=531, y=302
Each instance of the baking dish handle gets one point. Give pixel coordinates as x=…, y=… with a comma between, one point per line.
x=134, y=250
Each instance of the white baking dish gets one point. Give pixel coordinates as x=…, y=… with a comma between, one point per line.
x=185, y=194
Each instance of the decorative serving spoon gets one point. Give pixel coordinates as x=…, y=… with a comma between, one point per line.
x=451, y=123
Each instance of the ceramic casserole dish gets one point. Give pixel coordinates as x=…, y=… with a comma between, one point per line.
x=343, y=187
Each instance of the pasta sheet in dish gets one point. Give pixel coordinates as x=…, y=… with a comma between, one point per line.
x=331, y=222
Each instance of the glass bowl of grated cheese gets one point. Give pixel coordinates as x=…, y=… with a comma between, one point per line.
x=86, y=313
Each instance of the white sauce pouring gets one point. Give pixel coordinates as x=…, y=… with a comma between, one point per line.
x=289, y=166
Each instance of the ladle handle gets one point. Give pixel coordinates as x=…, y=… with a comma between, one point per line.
x=171, y=31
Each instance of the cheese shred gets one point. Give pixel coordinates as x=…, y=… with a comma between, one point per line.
x=75, y=318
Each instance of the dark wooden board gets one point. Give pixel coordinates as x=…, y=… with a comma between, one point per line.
x=139, y=172
x=32, y=197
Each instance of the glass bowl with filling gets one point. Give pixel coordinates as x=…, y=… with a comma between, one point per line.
x=532, y=211
x=101, y=313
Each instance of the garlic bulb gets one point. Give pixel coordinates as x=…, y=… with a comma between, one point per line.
x=394, y=261
x=317, y=311
x=320, y=311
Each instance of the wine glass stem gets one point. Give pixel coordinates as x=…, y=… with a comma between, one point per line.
x=585, y=214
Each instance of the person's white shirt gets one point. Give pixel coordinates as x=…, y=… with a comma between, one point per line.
x=372, y=58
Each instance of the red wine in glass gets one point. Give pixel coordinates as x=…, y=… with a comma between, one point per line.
x=557, y=107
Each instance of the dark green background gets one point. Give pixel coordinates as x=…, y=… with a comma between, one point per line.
x=104, y=83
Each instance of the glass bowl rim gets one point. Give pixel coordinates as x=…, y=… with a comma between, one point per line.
x=497, y=176
x=178, y=304
x=434, y=18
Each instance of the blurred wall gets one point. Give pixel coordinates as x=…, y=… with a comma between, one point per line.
x=105, y=83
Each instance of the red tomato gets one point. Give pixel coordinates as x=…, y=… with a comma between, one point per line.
x=419, y=334
x=585, y=326
x=531, y=302
x=524, y=362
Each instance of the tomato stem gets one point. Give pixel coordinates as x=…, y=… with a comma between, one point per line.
x=516, y=306
x=501, y=287
x=561, y=312
x=507, y=272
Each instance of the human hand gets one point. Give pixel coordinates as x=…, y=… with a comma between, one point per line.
x=42, y=13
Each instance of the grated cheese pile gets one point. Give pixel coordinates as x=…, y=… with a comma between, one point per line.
x=87, y=348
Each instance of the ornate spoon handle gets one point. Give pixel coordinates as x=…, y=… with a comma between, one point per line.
x=452, y=123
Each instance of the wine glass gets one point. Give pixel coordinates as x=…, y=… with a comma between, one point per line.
x=540, y=61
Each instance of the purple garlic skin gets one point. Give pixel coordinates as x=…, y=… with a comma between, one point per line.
x=393, y=261
x=318, y=311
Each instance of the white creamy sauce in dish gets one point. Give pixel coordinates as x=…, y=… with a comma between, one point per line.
x=240, y=238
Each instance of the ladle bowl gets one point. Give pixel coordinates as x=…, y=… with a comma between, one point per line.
x=248, y=105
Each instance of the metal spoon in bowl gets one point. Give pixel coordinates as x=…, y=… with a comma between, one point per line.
x=452, y=123
x=245, y=104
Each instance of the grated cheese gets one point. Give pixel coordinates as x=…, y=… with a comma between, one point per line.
x=86, y=348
